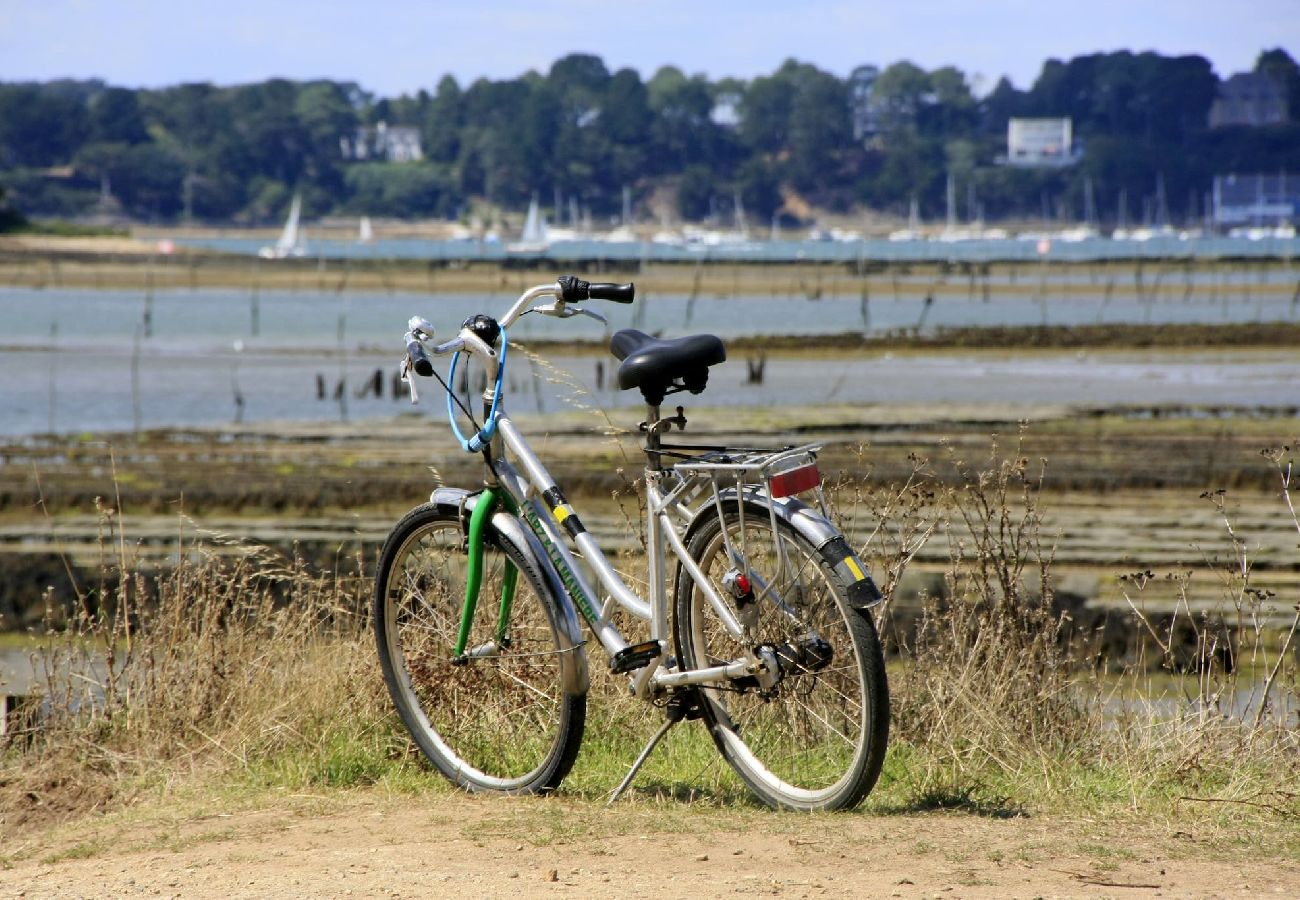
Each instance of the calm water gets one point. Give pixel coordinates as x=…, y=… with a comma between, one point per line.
x=1167, y=247
x=73, y=360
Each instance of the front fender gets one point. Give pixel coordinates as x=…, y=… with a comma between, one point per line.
x=573, y=657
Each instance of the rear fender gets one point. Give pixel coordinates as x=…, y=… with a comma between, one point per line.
x=816, y=529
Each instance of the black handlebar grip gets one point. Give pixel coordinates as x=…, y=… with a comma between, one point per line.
x=619, y=293
x=573, y=289
x=419, y=359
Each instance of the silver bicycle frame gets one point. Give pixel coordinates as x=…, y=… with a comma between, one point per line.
x=663, y=506
x=668, y=497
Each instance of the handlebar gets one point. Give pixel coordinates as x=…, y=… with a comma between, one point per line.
x=573, y=288
x=420, y=361
x=565, y=289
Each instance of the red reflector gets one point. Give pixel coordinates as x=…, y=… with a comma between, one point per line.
x=804, y=478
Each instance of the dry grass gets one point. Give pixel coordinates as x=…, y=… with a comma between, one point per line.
x=234, y=663
x=1001, y=699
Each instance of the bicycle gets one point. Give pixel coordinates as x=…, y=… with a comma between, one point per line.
x=772, y=640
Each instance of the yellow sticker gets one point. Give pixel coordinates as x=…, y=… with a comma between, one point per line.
x=562, y=513
x=854, y=568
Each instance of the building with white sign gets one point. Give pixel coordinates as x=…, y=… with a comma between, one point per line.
x=1041, y=142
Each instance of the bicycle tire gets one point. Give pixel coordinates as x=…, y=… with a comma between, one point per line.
x=503, y=722
x=817, y=739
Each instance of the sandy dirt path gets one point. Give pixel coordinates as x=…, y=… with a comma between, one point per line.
x=362, y=845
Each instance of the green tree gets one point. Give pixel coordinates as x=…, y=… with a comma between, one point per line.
x=899, y=94
x=950, y=111
x=443, y=122
x=682, y=130
x=819, y=131
x=10, y=218
x=41, y=124
x=408, y=190
x=147, y=179
x=1278, y=65
x=326, y=114
x=625, y=121
x=999, y=106
x=695, y=193
x=275, y=141
x=765, y=111
x=115, y=117
x=759, y=186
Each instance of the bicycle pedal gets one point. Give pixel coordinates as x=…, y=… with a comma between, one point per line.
x=634, y=657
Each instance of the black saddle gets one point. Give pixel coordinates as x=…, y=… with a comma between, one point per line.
x=660, y=367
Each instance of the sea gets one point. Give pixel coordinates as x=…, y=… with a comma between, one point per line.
x=82, y=360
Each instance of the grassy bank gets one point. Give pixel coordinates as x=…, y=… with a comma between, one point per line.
x=246, y=672
x=125, y=264
x=278, y=469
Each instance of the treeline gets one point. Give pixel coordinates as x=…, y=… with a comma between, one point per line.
x=583, y=137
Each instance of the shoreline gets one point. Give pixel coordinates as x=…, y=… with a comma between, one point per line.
x=39, y=262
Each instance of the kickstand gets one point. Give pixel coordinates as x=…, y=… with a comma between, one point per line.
x=682, y=706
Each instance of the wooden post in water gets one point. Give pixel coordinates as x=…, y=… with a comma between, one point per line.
x=342, y=393
x=135, y=382
x=257, y=281
x=925, y=311
x=53, y=370
x=695, y=292
x=148, y=304
x=234, y=382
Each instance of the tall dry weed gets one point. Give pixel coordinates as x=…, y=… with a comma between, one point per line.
x=229, y=659
x=987, y=681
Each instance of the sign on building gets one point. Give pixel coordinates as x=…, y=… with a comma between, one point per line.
x=1040, y=142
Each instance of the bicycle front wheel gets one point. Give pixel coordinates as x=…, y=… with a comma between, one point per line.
x=499, y=720
x=814, y=740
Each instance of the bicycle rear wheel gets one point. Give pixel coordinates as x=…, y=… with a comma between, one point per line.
x=816, y=739
x=500, y=720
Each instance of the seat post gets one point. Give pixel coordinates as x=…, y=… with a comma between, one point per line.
x=653, y=458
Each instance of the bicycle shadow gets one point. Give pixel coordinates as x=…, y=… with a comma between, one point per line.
x=954, y=799
x=964, y=799
x=653, y=791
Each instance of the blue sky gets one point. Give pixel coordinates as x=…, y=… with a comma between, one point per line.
x=391, y=47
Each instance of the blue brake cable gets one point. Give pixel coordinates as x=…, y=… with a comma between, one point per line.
x=480, y=440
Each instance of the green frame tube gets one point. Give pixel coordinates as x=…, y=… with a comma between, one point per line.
x=483, y=509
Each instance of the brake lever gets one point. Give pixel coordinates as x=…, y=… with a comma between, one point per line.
x=410, y=381
x=562, y=310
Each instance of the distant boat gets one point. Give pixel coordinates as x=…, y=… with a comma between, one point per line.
x=1284, y=231
x=365, y=232
x=620, y=235
x=913, y=230
x=290, y=242
x=534, y=237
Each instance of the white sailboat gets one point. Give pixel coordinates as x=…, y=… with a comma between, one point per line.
x=365, y=231
x=534, y=237
x=290, y=242
x=913, y=230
